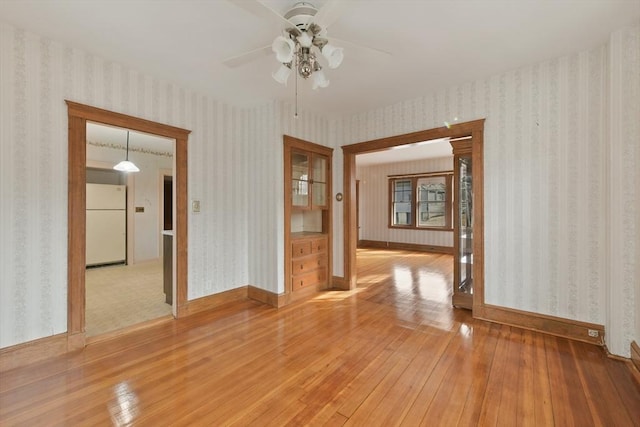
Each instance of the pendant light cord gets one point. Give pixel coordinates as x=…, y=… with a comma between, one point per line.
x=127, y=146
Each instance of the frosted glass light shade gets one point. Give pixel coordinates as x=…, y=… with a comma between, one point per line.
x=319, y=80
x=283, y=48
x=334, y=55
x=126, y=166
x=305, y=39
x=282, y=75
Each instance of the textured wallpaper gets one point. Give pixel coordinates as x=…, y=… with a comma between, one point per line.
x=561, y=140
x=235, y=170
x=550, y=192
x=263, y=133
x=374, y=203
x=623, y=296
x=36, y=76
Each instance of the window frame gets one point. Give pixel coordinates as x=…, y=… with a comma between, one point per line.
x=415, y=202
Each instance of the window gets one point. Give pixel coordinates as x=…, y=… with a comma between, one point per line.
x=421, y=201
x=402, y=202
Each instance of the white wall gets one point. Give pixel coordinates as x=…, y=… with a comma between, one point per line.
x=36, y=76
x=263, y=132
x=374, y=203
x=623, y=297
x=549, y=186
x=146, y=193
x=552, y=155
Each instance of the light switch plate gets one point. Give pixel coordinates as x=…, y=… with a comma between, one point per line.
x=195, y=206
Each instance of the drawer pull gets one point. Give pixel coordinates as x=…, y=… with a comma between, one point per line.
x=301, y=267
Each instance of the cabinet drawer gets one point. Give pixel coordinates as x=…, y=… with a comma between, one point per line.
x=309, y=279
x=306, y=264
x=300, y=248
x=318, y=245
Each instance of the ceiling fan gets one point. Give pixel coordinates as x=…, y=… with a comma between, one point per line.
x=303, y=40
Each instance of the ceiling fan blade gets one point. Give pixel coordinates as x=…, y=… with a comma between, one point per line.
x=379, y=52
x=247, y=57
x=330, y=12
x=261, y=10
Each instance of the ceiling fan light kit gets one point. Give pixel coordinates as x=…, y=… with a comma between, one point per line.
x=295, y=48
x=282, y=74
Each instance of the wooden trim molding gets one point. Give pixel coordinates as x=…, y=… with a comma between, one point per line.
x=635, y=354
x=265, y=297
x=558, y=326
x=33, y=351
x=214, y=301
x=378, y=244
x=475, y=129
x=340, y=283
x=78, y=115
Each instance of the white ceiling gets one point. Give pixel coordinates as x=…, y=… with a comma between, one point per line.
x=433, y=43
x=404, y=153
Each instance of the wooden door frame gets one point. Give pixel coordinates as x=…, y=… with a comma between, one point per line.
x=474, y=129
x=78, y=115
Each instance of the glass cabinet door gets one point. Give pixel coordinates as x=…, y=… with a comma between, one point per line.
x=299, y=179
x=319, y=181
x=462, y=225
x=465, y=249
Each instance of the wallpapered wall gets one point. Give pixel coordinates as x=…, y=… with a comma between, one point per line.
x=557, y=153
x=624, y=197
x=37, y=75
x=263, y=132
x=551, y=195
x=374, y=203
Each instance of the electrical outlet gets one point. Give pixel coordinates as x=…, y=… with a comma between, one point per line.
x=593, y=333
x=195, y=206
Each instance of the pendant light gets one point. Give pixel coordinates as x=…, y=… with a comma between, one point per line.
x=126, y=165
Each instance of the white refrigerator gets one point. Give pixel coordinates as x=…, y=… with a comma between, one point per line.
x=106, y=224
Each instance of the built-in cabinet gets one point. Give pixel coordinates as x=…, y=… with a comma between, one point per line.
x=307, y=173
x=308, y=261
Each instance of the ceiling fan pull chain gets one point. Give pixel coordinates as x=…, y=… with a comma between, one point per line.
x=296, y=67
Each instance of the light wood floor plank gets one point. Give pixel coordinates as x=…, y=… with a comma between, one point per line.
x=391, y=352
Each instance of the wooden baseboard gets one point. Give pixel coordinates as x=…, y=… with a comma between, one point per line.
x=263, y=296
x=558, y=326
x=212, y=301
x=340, y=283
x=376, y=244
x=33, y=351
x=281, y=300
x=44, y=348
x=635, y=354
x=76, y=341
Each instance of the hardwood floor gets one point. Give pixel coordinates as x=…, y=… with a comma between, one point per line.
x=391, y=352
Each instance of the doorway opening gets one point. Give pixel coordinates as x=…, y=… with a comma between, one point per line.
x=125, y=280
x=474, y=131
x=78, y=116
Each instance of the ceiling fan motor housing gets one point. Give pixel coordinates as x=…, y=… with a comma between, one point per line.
x=300, y=14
